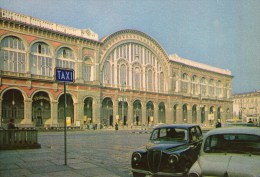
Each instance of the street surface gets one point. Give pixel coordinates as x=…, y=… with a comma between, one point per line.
x=89, y=153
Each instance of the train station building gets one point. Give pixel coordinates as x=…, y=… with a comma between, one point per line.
x=125, y=77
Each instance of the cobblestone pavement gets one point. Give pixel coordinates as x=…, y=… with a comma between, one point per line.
x=90, y=153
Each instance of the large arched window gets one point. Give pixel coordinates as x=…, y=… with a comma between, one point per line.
x=12, y=55
x=219, y=88
x=40, y=59
x=87, y=69
x=65, y=58
x=136, y=77
x=122, y=74
x=107, y=73
x=149, y=80
x=211, y=87
x=194, y=85
x=161, y=85
x=184, y=83
x=203, y=87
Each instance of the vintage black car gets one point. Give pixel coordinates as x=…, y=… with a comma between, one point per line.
x=171, y=151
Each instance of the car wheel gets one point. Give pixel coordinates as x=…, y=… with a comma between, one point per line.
x=138, y=174
x=187, y=168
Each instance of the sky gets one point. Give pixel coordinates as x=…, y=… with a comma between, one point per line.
x=220, y=33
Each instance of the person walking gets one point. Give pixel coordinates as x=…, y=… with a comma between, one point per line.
x=116, y=126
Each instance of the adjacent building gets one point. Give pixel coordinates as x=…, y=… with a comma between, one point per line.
x=247, y=106
x=125, y=77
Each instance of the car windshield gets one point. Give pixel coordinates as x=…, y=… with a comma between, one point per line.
x=232, y=143
x=169, y=134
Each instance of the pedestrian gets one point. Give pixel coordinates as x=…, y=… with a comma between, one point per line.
x=11, y=125
x=250, y=121
x=116, y=126
x=218, y=124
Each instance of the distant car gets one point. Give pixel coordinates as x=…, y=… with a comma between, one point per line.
x=171, y=151
x=229, y=152
x=242, y=124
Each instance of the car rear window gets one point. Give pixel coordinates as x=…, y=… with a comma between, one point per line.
x=169, y=134
x=232, y=143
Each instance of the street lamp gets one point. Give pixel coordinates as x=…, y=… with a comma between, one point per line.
x=122, y=89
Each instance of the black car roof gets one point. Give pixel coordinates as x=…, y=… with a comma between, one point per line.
x=176, y=125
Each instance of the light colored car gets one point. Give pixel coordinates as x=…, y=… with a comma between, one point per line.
x=229, y=152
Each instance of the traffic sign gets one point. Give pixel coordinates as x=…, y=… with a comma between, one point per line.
x=64, y=75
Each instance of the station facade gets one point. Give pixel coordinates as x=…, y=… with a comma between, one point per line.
x=125, y=77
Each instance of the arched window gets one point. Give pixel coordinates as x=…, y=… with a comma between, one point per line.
x=136, y=78
x=65, y=58
x=161, y=85
x=219, y=88
x=203, y=87
x=12, y=55
x=40, y=59
x=122, y=78
x=211, y=87
x=107, y=73
x=194, y=82
x=87, y=69
x=149, y=80
x=184, y=84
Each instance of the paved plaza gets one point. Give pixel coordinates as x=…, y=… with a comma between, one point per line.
x=90, y=153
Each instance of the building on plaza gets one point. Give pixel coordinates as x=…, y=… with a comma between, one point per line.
x=247, y=106
x=125, y=77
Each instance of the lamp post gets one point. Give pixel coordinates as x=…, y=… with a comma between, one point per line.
x=123, y=100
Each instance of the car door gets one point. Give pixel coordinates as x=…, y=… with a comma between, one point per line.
x=195, y=141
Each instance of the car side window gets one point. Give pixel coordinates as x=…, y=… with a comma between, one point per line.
x=199, y=133
x=193, y=134
x=155, y=134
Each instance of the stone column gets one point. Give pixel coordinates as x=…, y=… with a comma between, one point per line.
x=1, y=118
x=189, y=115
x=156, y=114
x=115, y=111
x=79, y=113
x=130, y=116
x=169, y=115
x=96, y=112
x=54, y=113
x=27, y=112
x=143, y=119
x=179, y=115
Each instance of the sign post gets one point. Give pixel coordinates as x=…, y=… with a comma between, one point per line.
x=64, y=75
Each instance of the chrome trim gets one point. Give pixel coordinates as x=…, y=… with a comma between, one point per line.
x=194, y=173
x=158, y=173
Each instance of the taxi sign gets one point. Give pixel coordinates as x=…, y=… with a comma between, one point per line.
x=64, y=75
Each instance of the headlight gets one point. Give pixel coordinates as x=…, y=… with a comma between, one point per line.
x=173, y=159
x=136, y=157
x=193, y=174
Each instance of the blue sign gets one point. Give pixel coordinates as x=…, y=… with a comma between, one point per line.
x=64, y=75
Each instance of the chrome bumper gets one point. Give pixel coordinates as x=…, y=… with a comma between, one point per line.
x=158, y=173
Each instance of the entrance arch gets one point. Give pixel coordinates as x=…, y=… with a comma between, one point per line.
x=175, y=108
x=194, y=113
x=88, y=118
x=123, y=111
x=137, y=112
x=12, y=105
x=161, y=112
x=150, y=112
x=107, y=112
x=69, y=108
x=184, y=113
x=41, y=109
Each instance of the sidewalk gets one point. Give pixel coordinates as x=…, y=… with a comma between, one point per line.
x=47, y=162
